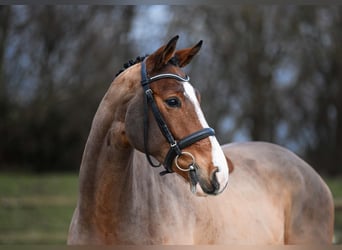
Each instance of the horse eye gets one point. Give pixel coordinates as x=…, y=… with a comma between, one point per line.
x=173, y=102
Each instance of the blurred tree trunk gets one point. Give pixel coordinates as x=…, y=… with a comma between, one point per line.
x=322, y=70
x=260, y=104
x=5, y=105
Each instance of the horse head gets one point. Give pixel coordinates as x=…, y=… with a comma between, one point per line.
x=164, y=120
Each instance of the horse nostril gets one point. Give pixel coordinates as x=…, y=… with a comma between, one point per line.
x=214, y=182
x=210, y=185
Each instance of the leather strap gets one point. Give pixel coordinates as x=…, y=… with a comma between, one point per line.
x=186, y=142
x=175, y=147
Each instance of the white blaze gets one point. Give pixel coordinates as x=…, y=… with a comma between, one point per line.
x=218, y=158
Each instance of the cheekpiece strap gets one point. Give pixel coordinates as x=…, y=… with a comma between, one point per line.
x=175, y=147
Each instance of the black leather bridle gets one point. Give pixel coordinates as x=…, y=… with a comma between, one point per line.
x=176, y=147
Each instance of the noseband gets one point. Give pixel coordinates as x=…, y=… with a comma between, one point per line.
x=176, y=147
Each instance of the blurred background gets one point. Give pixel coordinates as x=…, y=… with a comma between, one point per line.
x=270, y=73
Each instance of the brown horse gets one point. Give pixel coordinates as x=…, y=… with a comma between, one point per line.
x=151, y=109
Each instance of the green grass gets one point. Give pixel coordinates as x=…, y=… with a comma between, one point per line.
x=37, y=209
x=335, y=185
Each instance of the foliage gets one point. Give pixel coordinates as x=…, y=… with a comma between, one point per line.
x=269, y=73
x=55, y=76
x=272, y=74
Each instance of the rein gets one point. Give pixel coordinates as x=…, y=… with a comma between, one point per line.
x=176, y=147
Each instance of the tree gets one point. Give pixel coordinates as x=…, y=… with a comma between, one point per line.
x=273, y=74
x=268, y=73
x=63, y=60
x=5, y=13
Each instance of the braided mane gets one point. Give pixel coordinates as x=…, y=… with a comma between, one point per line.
x=131, y=63
x=139, y=59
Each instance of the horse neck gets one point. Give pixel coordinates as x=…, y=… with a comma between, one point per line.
x=117, y=183
x=107, y=154
x=112, y=172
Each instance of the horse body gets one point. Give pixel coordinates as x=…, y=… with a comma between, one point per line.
x=273, y=197
x=256, y=208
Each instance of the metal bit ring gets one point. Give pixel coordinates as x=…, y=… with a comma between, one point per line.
x=191, y=166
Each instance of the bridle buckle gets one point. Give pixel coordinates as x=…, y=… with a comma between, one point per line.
x=149, y=92
x=174, y=146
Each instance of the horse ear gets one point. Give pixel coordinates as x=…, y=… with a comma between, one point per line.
x=185, y=56
x=162, y=56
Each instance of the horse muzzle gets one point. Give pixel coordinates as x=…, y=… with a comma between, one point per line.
x=203, y=186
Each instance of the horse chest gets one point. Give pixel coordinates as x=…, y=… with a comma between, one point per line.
x=250, y=218
x=207, y=224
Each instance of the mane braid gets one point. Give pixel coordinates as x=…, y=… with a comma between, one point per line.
x=174, y=61
x=131, y=63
